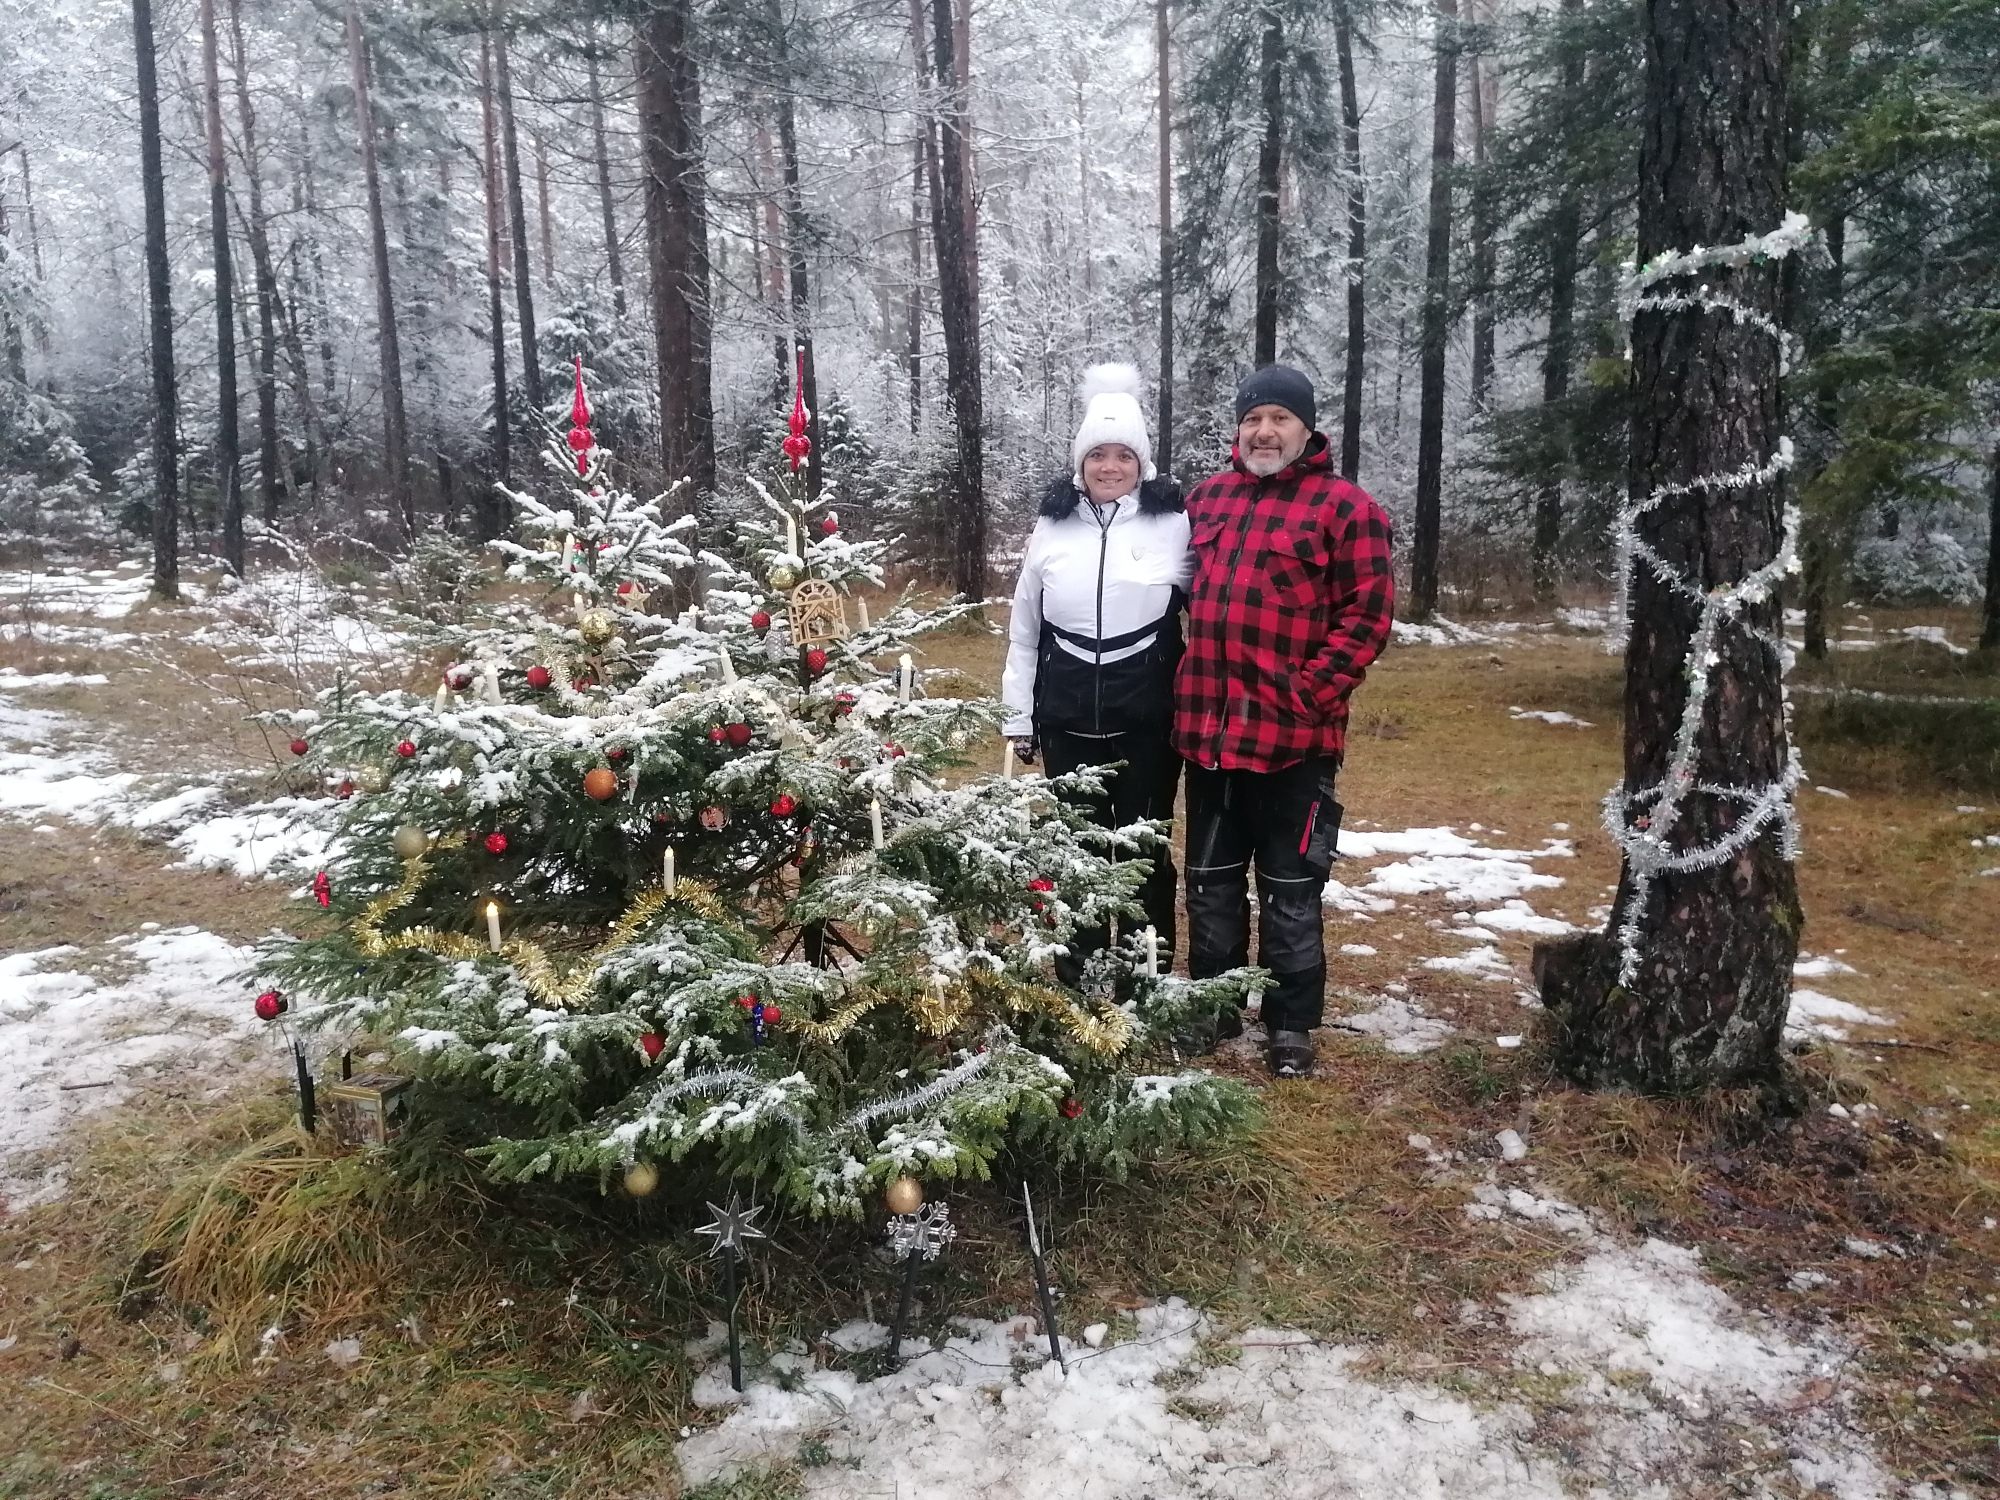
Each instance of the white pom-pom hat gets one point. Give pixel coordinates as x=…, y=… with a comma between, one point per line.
x=1111, y=414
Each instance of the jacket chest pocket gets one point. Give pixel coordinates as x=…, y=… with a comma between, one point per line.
x=1206, y=542
x=1291, y=565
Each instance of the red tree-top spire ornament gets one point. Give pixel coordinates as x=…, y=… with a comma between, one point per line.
x=580, y=439
x=798, y=445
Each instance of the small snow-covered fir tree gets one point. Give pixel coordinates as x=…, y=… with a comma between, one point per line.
x=634, y=891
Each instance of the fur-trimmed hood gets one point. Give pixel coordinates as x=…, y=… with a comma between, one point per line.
x=1157, y=497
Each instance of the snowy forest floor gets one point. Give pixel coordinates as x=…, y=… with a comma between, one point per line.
x=1437, y=1271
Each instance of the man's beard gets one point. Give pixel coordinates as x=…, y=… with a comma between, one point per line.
x=1264, y=462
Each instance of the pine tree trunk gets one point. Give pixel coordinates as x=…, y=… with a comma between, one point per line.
x=228, y=439
x=677, y=243
x=601, y=153
x=1564, y=230
x=547, y=222
x=1437, y=322
x=1483, y=261
x=1163, y=442
x=524, y=281
x=770, y=253
x=395, y=428
x=1357, y=246
x=12, y=339
x=1825, y=549
x=795, y=241
x=913, y=303
x=322, y=314
x=954, y=228
x=1989, y=632
x=1706, y=1005
x=1270, y=161
x=270, y=463
x=160, y=317
x=491, y=519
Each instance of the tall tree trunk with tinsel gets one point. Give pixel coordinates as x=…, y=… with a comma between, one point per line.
x=1687, y=990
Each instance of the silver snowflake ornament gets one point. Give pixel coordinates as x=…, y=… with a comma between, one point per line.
x=733, y=1225
x=923, y=1233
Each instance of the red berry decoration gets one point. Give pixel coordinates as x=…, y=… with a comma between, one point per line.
x=407, y=749
x=271, y=1005
x=829, y=526
x=760, y=622
x=1071, y=1108
x=344, y=790
x=746, y=1001
x=718, y=734
x=538, y=677
x=815, y=661
x=1041, y=883
x=784, y=805
x=738, y=734
x=773, y=1015
x=460, y=681
x=496, y=843
x=652, y=1044
x=616, y=752
x=322, y=890
x=896, y=752
x=844, y=701
x=625, y=588
x=299, y=747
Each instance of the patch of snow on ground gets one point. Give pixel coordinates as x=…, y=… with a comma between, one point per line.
x=1398, y=1024
x=1549, y=716
x=1483, y=962
x=1812, y=1014
x=1439, y=632
x=102, y=1036
x=1518, y=916
x=9, y=678
x=1809, y=966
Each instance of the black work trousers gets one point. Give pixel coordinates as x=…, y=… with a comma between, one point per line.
x=1143, y=787
x=1287, y=822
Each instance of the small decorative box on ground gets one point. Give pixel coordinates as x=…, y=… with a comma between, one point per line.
x=368, y=1109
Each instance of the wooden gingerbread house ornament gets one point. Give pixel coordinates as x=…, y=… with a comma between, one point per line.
x=817, y=616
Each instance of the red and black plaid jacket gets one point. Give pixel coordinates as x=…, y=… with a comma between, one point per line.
x=1291, y=601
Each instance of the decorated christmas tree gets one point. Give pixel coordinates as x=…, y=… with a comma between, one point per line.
x=631, y=891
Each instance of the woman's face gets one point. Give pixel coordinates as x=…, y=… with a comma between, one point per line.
x=1110, y=472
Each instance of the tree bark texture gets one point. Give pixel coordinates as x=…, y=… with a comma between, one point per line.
x=395, y=426
x=677, y=242
x=1357, y=246
x=524, y=281
x=1560, y=352
x=1163, y=443
x=11, y=334
x=1270, y=162
x=1825, y=548
x=160, y=317
x=1437, y=322
x=795, y=241
x=1989, y=631
x=614, y=258
x=954, y=227
x=491, y=516
x=913, y=296
x=228, y=437
x=270, y=461
x=1485, y=99
x=1707, y=1006
x=543, y=217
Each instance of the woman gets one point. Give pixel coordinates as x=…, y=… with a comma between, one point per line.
x=1096, y=630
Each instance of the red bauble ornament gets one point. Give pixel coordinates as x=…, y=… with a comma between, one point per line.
x=815, y=661
x=625, y=588
x=271, y=1005
x=738, y=734
x=773, y=1015
x=585, y=680
x=539, y=677
x=746, y=1001
x=896, y=752
x=652, y=1044
x=616, y=752
x=1071, y=1108
x=344, y=790
x=784, y=805
x=829, y=526
x=601, y=783
x=760, y=622
x=1041, y=883
x=844, y=701
x=322, y=889
x=299, y=747
x=717, y=734
x=407, y=749
x=460, y=681
x=496, y=843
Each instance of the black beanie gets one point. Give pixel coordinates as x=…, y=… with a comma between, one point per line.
x=1277, y=385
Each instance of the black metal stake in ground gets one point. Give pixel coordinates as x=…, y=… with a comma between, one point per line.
x=733, y=1225
x=914, y=1239
x=308, y=1103
x=1043, y=1293
x=910, y=1264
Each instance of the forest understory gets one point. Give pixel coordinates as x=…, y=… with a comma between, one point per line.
x=1435, y=1269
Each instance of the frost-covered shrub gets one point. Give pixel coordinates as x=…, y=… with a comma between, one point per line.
x=1921, y=564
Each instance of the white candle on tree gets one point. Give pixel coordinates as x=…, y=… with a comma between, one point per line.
x=906, y=672
x=667, y=870
x=728, y=668
x=443, y=700
x=875, y=819
x=569, y=546
x=1152, y=953
x=493, y=925
x=492, y=682
x=792, y=537
x=862, y=605
x=1007, y=757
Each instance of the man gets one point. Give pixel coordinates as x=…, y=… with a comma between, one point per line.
x=1291, y=601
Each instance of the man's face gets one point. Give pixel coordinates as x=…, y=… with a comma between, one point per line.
x=1269, y=437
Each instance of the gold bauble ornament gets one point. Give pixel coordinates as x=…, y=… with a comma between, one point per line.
x=904, y=1195
x=601, y=783
x=641, y=1178
x=410, y=841
x=596, y=626
x=371, y=779
x=784, y=578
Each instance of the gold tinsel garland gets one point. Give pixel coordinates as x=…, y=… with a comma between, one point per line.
x=563, y=985
x=941, y=1011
